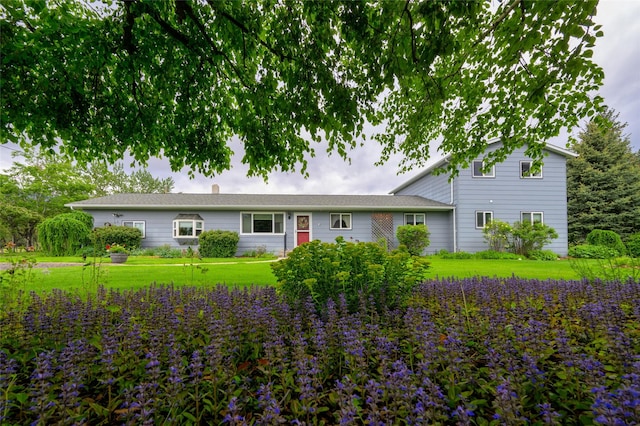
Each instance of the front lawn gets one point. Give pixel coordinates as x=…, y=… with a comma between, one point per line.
x=140, y=271
x=538, y=269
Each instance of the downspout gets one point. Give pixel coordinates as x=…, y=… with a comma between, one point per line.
x=455, y=232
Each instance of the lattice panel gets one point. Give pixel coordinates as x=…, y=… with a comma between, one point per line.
x=382, y=227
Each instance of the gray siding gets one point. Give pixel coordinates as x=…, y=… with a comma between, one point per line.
x=158, y=226
x=360, y=227
x=434, y=187
x=440, y=228
x=507, y=195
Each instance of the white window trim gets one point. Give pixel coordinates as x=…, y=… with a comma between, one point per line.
x=273, y=220
x=536, y=176
x=424, y=218
x=195, y=228
x=484, y=218
x=492, y=174
x=341, y=228
x=532, y=214
x=133, y=225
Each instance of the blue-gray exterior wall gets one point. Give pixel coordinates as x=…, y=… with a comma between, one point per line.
x=433, y=187
x=506, y=195
x=159, y=227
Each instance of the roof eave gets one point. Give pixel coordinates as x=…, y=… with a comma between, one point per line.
x=255, y=207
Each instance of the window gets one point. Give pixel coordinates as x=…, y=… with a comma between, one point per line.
x=527, y=172
x=531, y=217
x=135, y=224
x=340, y=220
x=479, y=171
x=483, y=219
x=414, y=219
x=187, y=226
x=263, y=223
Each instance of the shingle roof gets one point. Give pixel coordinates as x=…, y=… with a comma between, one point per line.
x=258, y=201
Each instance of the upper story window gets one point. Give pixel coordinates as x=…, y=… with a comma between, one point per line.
x=414, y=219
x=140, y=224
x=340, y=221
x=483, y=218
x=531, y=217
x=187, y=226
x=263, y=223
x=479, y=169
x=527, y=170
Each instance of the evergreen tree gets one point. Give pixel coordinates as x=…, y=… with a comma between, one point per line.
x=603, y=183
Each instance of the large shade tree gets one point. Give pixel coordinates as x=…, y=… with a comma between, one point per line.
x=603, y=182
x=180, y=78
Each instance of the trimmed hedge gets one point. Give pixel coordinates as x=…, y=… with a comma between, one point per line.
x=414, y=237
x=601, y=237
x=126, y=236
x=218, y=243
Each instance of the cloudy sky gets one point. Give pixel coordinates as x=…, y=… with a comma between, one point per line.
x=618, y=52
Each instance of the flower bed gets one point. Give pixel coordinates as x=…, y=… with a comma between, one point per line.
x=478, y=350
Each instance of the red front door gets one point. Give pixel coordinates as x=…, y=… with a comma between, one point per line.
x=303, y=229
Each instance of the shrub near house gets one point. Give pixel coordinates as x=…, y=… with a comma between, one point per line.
x=522, y=238
x=125, y=236
x=218, y=243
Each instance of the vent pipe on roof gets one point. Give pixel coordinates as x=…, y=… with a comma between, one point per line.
x=215, y=188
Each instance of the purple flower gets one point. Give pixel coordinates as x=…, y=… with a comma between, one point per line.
x=271, y=411
x=41, y=402
x=463, y=415
x=507, y=404
x=8, y=370
x=549, y=415
x=196, y=367
x=346, y=402
x=233, y=416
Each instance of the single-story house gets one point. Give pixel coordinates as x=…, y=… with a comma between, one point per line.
x=455, y=211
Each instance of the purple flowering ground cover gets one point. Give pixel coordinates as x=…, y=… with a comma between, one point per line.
x=472, y=351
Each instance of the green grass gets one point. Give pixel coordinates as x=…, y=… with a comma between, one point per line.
x=140, y=271
x=140, y=260
x=537, y=269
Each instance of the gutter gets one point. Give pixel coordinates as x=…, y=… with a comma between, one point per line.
x=254, y=207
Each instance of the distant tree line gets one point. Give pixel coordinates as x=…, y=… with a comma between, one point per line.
x=40, y=183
